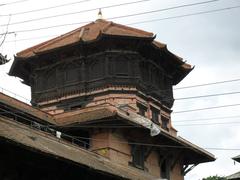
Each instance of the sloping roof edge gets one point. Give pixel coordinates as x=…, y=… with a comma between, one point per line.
x=136, y=119
x=51, y=145
x=16, y=104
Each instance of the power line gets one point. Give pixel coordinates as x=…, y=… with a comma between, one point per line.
x=113, y=126
x=185, y=15
x=5, y=35
x=164, y=9
x=208, y=95
x=207, y=108
x=207, y=84
x=14, y=2
x=156, y=145
x=78, y=12
x=47, y=8
x=131, y=143
x=206, y=119
x=78, y=23
x=31, y=38
x=209, y=124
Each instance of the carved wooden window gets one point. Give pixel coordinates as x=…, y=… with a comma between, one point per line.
x=138, y=156
x=121, y=67
x=60, y=77
x=144, y=68
x=40, y=82
x=155, y=78
x=165, y=123
x=96, y=69
x=51, y=79
x=141, y=109
x=72, y=74
x=155, y=115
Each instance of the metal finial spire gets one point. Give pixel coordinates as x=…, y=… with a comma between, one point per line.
x=100, y=14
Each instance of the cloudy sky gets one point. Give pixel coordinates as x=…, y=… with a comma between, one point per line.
x=209, y=41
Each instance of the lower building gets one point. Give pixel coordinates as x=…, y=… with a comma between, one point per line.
x=235, y=176
x=89, y=143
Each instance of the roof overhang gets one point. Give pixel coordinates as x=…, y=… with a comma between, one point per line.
x=193, y=153
x=49, y=145
x=237, y=158
x=97, y=32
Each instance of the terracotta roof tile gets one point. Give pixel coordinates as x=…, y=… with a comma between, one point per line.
x=89, y=32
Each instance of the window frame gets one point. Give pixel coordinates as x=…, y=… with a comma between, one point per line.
x=155, y=115
x=138, y=156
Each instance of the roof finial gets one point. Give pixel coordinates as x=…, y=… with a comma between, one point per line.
x=100, y=14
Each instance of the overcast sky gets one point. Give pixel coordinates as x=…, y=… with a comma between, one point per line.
x=210, y=42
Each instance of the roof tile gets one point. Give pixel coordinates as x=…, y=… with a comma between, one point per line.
x=89, y=32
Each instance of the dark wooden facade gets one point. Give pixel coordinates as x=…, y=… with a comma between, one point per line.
x=79, y=74
x=110, y=61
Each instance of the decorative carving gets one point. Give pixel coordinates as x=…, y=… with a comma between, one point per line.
x=74, y=74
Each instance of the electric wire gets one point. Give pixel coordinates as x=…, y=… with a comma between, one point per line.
x=205, y=96
x=209, y=124
x=207, y=84
x=206, y=119
x=14, y=2
x=77, y=12
x=185, y=15
x=139, y=143
x=84, y=22
x=207, y=108
x=114, y=126
x=46, y=8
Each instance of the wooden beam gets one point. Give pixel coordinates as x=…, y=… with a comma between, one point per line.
x=147, y=152
x=186, y=170
x=176, y=159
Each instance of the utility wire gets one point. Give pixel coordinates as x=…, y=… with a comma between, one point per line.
x=14, y=2
x=206, y=119
x=164, y=9
x=137, y=143
x=207, y=108
x=78, y=12
x=183, y=98
x=46, y=8
x=156, y=145
x=112, y=126
x=209, y=124
x=84, y=22
x=185, y=15
x=205, y=96
x=131, y=143
x=5, y=35
x=207, y=84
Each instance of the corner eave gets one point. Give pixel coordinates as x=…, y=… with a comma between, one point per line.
x=18, y=70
